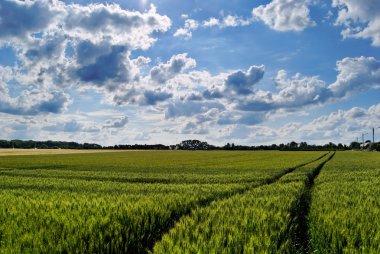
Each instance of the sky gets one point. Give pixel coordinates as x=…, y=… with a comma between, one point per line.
x=162, y=71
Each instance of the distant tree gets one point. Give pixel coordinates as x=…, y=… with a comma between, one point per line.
x=375, y=146
x=227, y=147
x=331, y=145
x=293, y=145
x=354, y=145
x=194, y=145
x=303, y=145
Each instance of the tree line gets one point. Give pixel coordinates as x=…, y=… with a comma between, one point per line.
x=184, y=145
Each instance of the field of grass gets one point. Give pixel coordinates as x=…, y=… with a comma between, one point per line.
x=256, y=221
x=9, y=151
x=345, y=207
x=177, y=201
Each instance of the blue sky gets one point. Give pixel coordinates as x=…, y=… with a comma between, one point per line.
x=247, y=72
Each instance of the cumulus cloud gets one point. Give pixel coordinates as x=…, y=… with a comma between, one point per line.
x=176, y=65
x=238, y=101
x=234, y=21
x=186, y=31
x=291, y=15
x=343, y=124
x=95, y=47
x=30, y=100
x=190, y=108
x=227, y=21
x=295, y=92
x=70, y=126
x=360, y=18
x=33, y=102
x=212, y=94
x=48, y=49
x=194, y=128
x=110, y=67
x=300, y=90
x=30, y=16
x=242, y=118
x=223, y=22
x=242, y=82
x=356, y=75
x=251, y=118
x=211, y=22
x=129, y=96
x=104, y=66
x=81, y=46
x=116, y=123
x=143, y=136
x=153, y=97
x=96, y=22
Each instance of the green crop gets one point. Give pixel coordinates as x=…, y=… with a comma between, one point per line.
x=345, y=208
x=260, y=220
x=121, y=202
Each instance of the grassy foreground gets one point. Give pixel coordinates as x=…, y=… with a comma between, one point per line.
x=345, y=208
x=186, y=202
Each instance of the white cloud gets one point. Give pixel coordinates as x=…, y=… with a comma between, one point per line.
x=360, y=18
x=186, y=31
x=356, y=75
x=116, y=123
x=295, y=92
x=238, y=101
x=93, y=47
x=211, y=22
x=143, y=137
x=96, y=22
x=153, y=97
x=191, y=108
x=342, y=126
x=176, y=65
x=290, y=15
x=194, y=128
x=300, y=90
x=243, y=82
x=31, y=17
x=70, y=126
x=33, y=102
x=345, y=125
x=234, y=21
x=227, y=21
x=73, y=46
x=30, y=101
x=93, y=22
x=108, y=69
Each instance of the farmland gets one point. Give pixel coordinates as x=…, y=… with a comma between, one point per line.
x=345, y=208
x=193, y=202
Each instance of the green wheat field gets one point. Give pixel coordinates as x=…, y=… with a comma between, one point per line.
x=191, y=202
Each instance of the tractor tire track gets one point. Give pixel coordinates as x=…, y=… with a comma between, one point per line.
x=150, y=244
x=299, y=228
